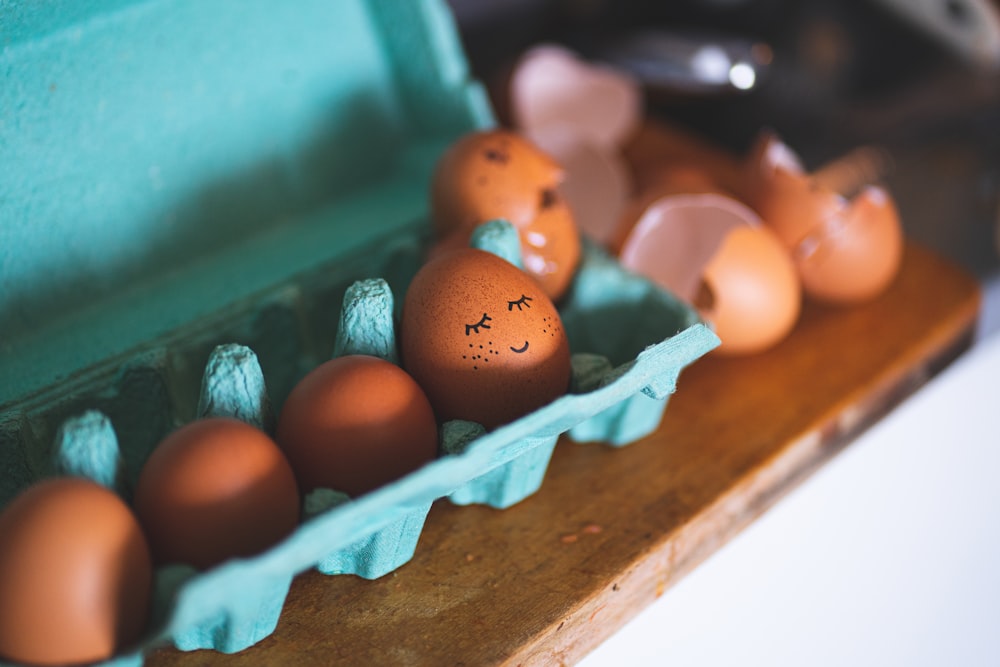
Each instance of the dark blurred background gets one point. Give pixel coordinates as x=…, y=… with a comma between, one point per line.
x=918, y=78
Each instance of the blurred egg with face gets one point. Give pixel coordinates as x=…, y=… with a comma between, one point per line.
x=355, y=423
x=482, y=339
x=498, y=174
x=215, y=489
x=75, y=574
x=843, y=233
x=713, y=252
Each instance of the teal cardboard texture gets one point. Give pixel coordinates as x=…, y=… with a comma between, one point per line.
x=240, y=619
x=188, y=231
x=518, y=475
x=86, y=446
x=182, y=155
x=500, y=238
x=381, y=552
x=366, y=325
x=233, y=386
x=618, y=315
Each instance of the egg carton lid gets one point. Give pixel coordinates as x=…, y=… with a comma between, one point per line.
x=163, y=159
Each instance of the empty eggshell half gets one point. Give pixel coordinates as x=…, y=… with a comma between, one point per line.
x=677, y=236
x=551, y=85
x=846, y=247
x=713, y=252
x=856, y=254
x=782, y=194
x=597, y=183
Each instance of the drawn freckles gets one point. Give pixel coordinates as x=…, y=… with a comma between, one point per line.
x=481, y=357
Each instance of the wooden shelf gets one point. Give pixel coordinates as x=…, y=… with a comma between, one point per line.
x=544, y=582
x=611, y=529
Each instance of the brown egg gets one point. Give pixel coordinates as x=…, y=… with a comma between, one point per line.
x=482, y=339
x=713, y=252
x=75, y=574
x=215, y=489
x=356, y=423
x=498, y=174
x=847, y=247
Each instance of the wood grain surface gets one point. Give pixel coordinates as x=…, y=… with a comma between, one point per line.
x=544, y=582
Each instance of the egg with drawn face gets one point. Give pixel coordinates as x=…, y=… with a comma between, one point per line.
x=482, y=339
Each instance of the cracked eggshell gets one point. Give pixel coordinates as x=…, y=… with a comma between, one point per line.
x=782, y=193
x=713, y=252
x=356, y=423
x=856, y=254
x=846, y=250
x=75, y=574
x=597, y=184
x=663, y=182
x=482, y=339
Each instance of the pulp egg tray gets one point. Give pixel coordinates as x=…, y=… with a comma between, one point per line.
x=189, y=231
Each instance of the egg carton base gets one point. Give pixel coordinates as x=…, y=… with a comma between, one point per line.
x=510, y=482
x=385, y=550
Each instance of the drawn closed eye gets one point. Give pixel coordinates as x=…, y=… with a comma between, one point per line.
x=481, y=324
x=523, y=301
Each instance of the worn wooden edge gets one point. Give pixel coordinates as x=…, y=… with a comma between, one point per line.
x=679, y=552
x=534, y=585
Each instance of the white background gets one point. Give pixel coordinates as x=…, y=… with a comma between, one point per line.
x=889, y=555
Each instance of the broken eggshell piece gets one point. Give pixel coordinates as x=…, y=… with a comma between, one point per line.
x=551, y=85
x=581, y=114
x=843, y=233
x=854, y=255
x=713, y=252
x=597, y=183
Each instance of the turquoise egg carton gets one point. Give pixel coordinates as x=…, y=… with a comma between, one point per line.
x=235, y=605
x=188, y=231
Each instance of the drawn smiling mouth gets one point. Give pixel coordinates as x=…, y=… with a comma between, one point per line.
x=520, y=350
